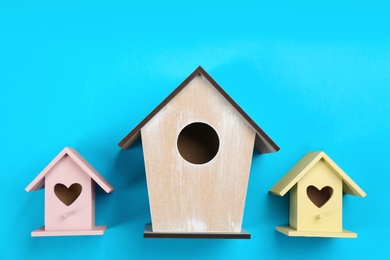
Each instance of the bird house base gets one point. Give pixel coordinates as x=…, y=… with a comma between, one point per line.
x=294, y=233
x=148, y=233
x=95, y=231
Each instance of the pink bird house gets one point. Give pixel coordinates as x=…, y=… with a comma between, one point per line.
x=69, y=182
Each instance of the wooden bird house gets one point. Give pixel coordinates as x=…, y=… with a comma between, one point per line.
x=69, y=182
x=316, y=186
x=198, y=146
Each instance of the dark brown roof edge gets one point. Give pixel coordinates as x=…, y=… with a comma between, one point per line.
x=263, y=142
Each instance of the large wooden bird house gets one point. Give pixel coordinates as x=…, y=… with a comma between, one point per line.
x=198, y=146
x=69, y=182
x=316, y=186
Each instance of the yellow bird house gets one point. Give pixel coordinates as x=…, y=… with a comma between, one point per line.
x=316, y=186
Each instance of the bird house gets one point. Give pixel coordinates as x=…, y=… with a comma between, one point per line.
x=316, y=186
x=198, y=146
x=69, y=182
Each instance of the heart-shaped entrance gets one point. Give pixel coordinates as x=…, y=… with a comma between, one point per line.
x=67, y=195
x=319, y=197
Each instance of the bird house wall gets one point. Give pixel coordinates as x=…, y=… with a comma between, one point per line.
x=192, y=197
x=78, y=215
x=293, y=207
x=328, y=217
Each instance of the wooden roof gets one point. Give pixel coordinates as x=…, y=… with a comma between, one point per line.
x=39, y=182
x=263, y=143
x=304, y=166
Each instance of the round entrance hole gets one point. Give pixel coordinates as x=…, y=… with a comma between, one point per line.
x=198, y=143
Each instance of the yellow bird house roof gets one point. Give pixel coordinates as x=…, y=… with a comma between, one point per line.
x=304, y=165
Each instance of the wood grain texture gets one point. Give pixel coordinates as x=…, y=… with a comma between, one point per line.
x=263, y=142
x=148, y=233
x=186, y=197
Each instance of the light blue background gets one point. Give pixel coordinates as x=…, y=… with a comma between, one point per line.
x=313, y=76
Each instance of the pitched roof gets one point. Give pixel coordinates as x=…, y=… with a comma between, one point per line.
x=304, y=166
x=263, y=143
x=39, y=182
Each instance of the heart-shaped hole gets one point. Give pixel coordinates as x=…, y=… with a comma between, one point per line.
x=319, y=197
x=67, y=195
